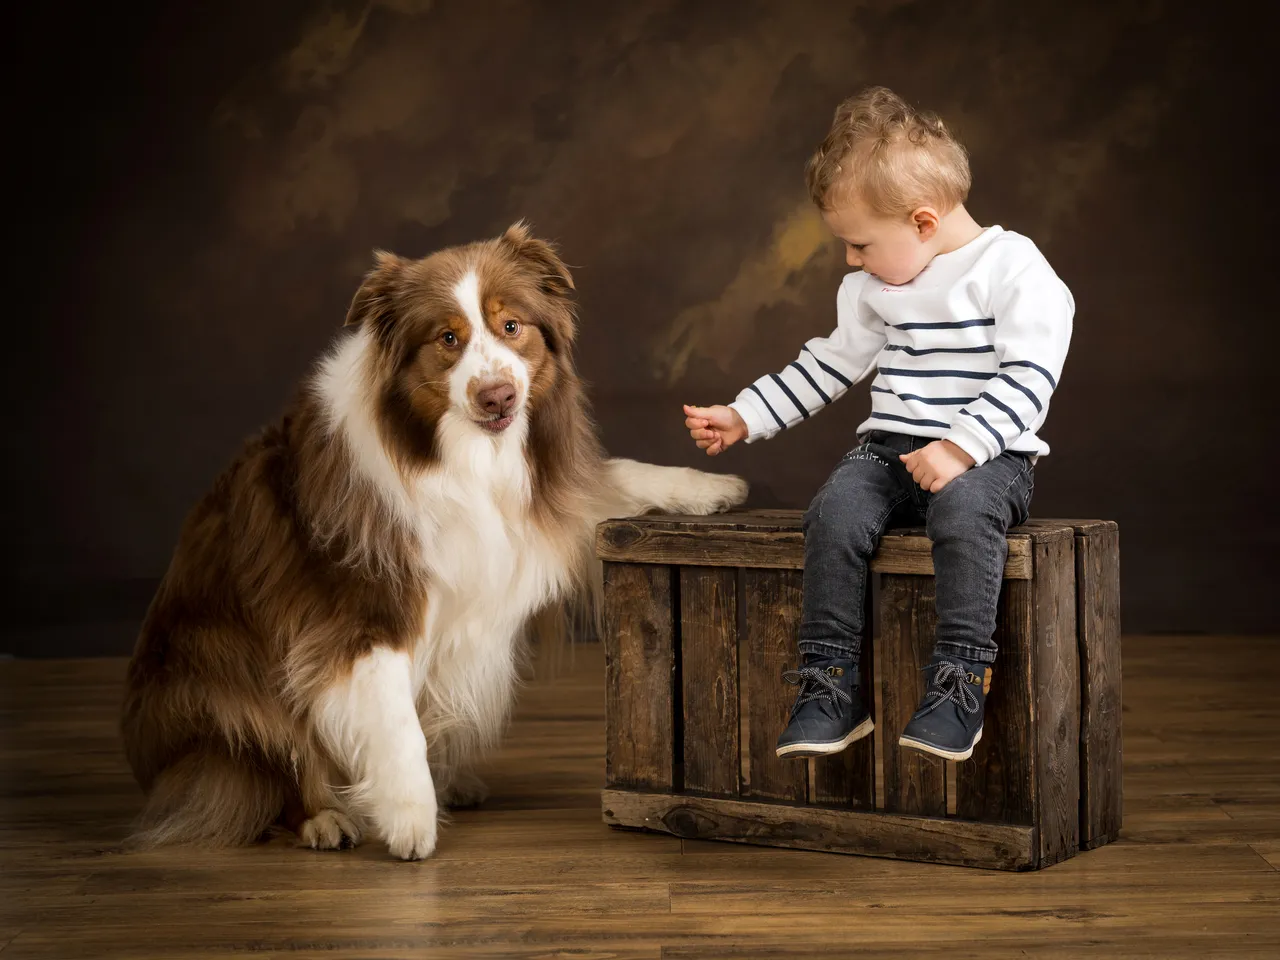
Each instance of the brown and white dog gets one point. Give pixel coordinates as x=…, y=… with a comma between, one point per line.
x=337, y=638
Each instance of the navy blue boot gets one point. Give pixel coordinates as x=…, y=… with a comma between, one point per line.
x=829, y=713
x=949, y=720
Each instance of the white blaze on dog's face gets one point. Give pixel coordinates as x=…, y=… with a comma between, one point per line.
x=490, y=380
x=480, y=333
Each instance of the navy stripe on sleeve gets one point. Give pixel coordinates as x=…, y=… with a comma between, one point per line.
x=1034, y=366
x=1030, y=396
x=904, y=372
x=769, y=408
x=945, y=324
x=915, y=352
x=937, y=401
x=790, y=396
x=918, y=423
x=812, y=382
x=835, y=373
x=990, y=429
x=1008, y=410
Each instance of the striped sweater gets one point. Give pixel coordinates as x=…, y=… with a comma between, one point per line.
x=970, y=351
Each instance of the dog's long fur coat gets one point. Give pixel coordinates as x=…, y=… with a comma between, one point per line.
x=337, y=638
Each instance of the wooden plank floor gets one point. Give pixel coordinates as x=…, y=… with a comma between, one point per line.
x=534, y=873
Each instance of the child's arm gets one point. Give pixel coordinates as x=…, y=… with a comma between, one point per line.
x=1033, y=310
x=825, y=369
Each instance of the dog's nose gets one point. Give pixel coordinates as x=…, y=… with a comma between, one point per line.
x=497, y=399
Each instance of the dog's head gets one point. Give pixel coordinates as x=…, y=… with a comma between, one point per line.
x=480, y=333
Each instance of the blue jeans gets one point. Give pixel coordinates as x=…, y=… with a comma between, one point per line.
x=869, y=491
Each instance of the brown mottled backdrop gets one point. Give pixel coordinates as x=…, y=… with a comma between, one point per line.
x=202, y=185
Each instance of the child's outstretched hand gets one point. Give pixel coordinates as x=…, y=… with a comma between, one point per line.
x=936, y=464
x=714, y=428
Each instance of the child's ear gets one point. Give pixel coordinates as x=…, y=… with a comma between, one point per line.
x=372, y=305
x=926, y=221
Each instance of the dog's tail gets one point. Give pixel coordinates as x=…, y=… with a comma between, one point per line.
x=212, y=798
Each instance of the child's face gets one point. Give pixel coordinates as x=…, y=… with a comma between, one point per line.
x=894, y=250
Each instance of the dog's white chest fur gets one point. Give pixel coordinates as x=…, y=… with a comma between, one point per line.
x=486, y=563
x=489, y=567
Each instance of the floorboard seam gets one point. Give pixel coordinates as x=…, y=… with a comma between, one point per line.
x=1257, y=852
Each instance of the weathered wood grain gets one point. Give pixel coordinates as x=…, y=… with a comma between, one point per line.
x=639, y=638
x=771, y=631
x=640, y=541
x=765, y=539
x=709, y=679
x=909, y=552
x=995, y=784
x=534, y=871
x=832, y=780
x=994, y=846
x=1098, y=628
x=862, y=755
x=1057, y=702
x=914, y=782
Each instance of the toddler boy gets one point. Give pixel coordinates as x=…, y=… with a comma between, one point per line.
x=965, y=330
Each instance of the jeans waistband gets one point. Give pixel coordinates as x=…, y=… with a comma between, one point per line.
x=889, y=438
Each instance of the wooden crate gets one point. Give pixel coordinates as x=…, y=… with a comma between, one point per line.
x=701, y=618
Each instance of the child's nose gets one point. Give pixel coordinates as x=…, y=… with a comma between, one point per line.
x=852, y=258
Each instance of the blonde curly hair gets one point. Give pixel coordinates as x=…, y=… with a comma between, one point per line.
x=885, y=153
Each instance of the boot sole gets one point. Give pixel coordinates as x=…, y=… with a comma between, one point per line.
x=802, y=749
x=939, y=751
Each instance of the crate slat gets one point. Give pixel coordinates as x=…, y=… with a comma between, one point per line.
x=1098, y=620
x=995, y=783
x=772, y=624
x=709, y=678
x=639, y=639
x=990, y=845
x=773, y=542
x=1057, y=702
x=914, y=782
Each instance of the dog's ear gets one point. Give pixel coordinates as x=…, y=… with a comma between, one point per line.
x=372, y=303
x=540, y=258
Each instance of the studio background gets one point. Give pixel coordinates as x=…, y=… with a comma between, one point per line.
x=200, y=188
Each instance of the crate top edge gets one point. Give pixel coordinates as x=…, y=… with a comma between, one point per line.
x=766, y=521
x=791, y=521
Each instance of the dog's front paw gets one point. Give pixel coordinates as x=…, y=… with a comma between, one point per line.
x=329, y=830
x=715, y=492
x=410, y=829
x=467, y=790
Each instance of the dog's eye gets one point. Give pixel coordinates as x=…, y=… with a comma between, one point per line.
x=450, y=338
x=511, y=327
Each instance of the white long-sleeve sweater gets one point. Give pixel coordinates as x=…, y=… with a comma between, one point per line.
x=969, y=351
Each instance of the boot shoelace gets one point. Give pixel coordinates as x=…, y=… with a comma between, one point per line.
x=815, y=684
x=950, y=684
